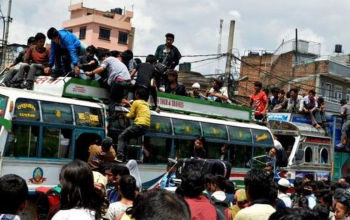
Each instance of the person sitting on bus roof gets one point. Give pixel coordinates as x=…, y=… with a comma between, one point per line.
x=195, y=91
x=118, y=79
x=258, y=101
x=66, y=48
x=89, y=62
x=294, y=102
x=100, y=154
x=218, y=93
x=198, y=148
x=345, y=113
x=37, y=57
x=139, y=110
x=145, y=76
x=309, y=106
x=273, y=100
x=173, y=86
x=282, y=102
x=13, y=71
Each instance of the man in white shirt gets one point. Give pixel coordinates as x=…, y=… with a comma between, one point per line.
x=283, y=186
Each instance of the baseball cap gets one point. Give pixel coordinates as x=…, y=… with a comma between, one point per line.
x=196, y=86
x=284, y=182
x=241, y=196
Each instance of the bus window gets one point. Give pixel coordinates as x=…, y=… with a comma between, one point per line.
x=215, y=131
x=27, y=109
x=160, y=125
x=262, y=137
x=23, y=141
x=159, y=149
x=186, y=127
x=260, y=158
x=185, y=148
x=57, y=112
x=240, y=135
x=87, y=116
x=56, y=142
x=324, y=156
x=241, y=156
x=308, y=154
x=214, y=150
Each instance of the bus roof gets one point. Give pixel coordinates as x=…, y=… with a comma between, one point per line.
x=14, y=93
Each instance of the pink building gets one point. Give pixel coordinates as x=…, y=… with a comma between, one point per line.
x=110, y=30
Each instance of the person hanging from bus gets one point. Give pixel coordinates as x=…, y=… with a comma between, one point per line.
x=345, y=113
x=258, y=101
x=10, y=75
x=198, y=148
x=145, y=78
x=139, y=110
x=309, y=106
x=118, y=79
x=66, y=48
x=37, y=59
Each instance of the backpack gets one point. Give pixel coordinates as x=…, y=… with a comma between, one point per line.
x=220, y=206
x=48, y=201
x=282, y=158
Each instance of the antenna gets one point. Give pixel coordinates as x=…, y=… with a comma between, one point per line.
x=219, y=46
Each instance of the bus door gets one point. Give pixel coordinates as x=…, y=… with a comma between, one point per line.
x=83, y=139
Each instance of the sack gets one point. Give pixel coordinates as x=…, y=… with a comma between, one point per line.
x=282, y=158
x=213, y=166
x=160, y=67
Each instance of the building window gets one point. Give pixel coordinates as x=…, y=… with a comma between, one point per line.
x=82, y=33
x=328, y=90
x=104, y=33
x=348, y=95
x=123, y=37
x=338, y=92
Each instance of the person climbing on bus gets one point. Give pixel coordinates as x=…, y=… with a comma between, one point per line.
x=345, y=113
x=89, y=62
x=198, y=149
x=66, y=48
x=100, y=154
x=139, y=110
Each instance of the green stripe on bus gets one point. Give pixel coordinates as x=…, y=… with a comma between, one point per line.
x=6, y=123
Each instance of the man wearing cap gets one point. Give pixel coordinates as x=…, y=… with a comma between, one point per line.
x=195, y=91
x=283, y=198
x=101, y=154
x=345, y=113
x=241, y=203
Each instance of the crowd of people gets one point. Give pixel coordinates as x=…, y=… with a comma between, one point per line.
x=115, y=192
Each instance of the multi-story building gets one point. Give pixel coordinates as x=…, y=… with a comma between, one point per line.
x=106, y=30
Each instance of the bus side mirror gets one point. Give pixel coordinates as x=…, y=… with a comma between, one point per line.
x=299, y=155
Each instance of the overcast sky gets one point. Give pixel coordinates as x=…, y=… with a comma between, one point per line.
x=260, y=25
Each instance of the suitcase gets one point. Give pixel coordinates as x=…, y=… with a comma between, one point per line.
x=213, y=166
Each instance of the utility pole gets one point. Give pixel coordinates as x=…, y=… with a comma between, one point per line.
x=219, y=47
x=229, y=51
x=6, y=30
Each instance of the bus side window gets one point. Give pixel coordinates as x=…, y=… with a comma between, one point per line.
x=241, y=156
x=308, y=155
x=324, y=156
x=157, y=149
x=23, y=141
x=56, y=142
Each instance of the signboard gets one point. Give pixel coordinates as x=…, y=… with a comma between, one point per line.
x=279, y=116
x=27, y=109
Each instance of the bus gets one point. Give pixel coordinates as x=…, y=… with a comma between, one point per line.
x=310, y=150
x=39, y=133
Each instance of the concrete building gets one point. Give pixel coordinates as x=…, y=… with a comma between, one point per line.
x=298, y=65
x=106, y=30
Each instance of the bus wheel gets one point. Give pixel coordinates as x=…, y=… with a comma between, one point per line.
x=29, y=213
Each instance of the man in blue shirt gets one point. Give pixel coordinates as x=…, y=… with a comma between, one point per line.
x=169, y=176
x=66, y=48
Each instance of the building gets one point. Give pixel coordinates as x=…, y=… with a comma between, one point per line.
x=298, y=64
x=12, y=51
x=106, y=30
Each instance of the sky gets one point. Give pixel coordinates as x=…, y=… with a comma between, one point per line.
x=259, y=25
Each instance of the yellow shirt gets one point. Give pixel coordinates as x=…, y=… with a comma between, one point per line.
x=140, y=111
